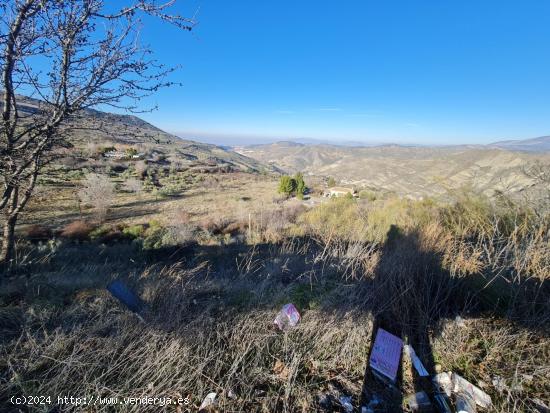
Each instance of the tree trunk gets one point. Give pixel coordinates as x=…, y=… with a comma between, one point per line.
x=8, y=242
x=8, y=239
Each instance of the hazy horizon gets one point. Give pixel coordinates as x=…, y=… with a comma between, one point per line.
x=234, y=140
x=409, y=73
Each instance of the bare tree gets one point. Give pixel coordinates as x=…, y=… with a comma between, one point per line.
x=68, y=55
x=99, y=192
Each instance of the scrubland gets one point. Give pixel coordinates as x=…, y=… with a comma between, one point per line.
x=466, y=281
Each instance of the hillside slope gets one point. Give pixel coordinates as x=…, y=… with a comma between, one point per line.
x=103, y=129
x=415, y=171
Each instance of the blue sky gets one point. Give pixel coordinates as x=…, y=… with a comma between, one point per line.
x=433, y=72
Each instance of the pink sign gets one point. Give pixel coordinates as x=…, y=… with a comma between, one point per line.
x=385, y=354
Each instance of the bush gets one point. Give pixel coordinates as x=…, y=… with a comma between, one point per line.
x=99, y=192
x=180, y=234
x=134, y=231
x=153, y=236
x=133, y=185
x=131, y=152
x=235, y=228
x=103, y=150
x=171, y=189
x=100, y=232
x=339, y=217
x=300, y=185
x=38, y=233
x=141, y=169
x=77, y=230
x=213, y=225
x=287, y=185
x=368, y=195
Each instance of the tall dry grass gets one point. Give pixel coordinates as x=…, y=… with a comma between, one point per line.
x=414, y=265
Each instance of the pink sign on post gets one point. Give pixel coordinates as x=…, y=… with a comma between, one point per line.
x=385, y=354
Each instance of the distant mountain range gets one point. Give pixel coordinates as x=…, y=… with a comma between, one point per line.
x=408, y=170
x=413, y=171
x=541, y=144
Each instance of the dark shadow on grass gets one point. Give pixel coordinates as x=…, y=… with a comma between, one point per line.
x=409, y=295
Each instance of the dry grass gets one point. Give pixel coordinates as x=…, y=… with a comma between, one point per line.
x=348, y=266
x=209, y=328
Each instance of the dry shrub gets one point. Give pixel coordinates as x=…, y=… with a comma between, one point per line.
x=179, y=234
x=458, y=256
x=355, y=260
x=210, y=183
x=235, y=228
x=99, y=192
x=293, y=210
x=213, y=224
x=77, y=230
x=339, y=217
x=178, y=230
x=181, y=217
x=133, y=185
x=141, y=169
x=271, y=225
x=38, y=233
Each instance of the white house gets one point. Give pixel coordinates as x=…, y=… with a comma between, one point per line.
x=339, y=191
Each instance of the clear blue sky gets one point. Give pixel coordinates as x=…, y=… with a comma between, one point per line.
x=437, y=71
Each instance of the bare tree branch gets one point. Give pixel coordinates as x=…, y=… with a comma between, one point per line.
x=87, y=57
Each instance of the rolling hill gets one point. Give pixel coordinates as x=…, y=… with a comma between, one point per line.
x=104, y=129
x=413, y=171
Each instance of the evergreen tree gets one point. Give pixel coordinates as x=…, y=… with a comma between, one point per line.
x=300, y=185
x=287, y=185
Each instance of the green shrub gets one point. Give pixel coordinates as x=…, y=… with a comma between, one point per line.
x=368, y=195
x=287, y=185
x=100, y=232
x=300, y=185
x=153, y=238
x=134, y=231
x=171, y=189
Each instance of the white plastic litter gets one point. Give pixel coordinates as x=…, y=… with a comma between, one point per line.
x=461, y=385
x=409, y=351
x=443, y=383
x=209, y=400
x=465, y=403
